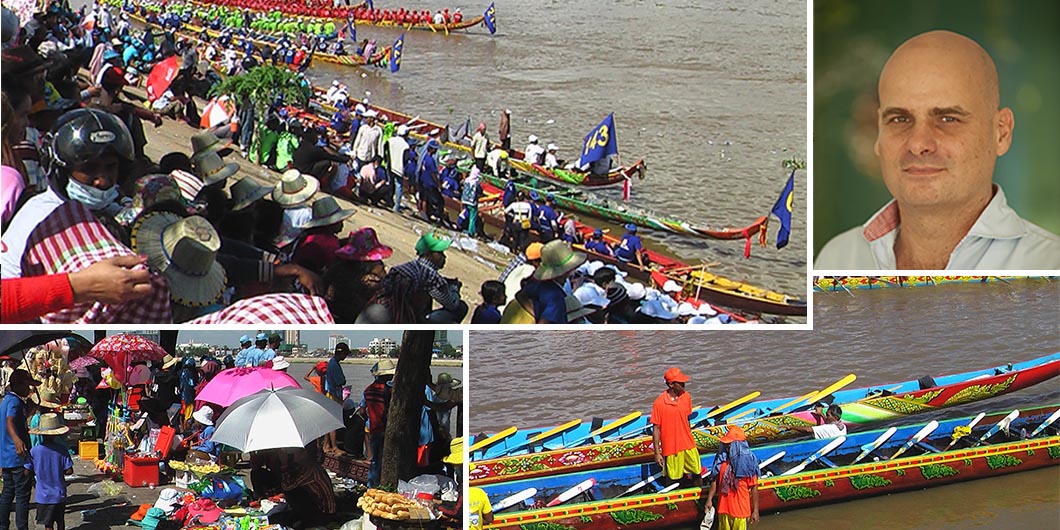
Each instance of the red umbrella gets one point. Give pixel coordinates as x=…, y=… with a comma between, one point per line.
x=161, y=77
x=120, y=351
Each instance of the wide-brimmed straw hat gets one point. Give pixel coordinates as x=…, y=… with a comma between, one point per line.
x=50, y=424
x=432, y=242
x=557, y=259
x=385, y=367
x=151, y=190
x=456, y=452
x=204, y=142
x=247, y=191
x=364, y=245
x=279, y=363
x=46, y=399
x=184, y=250
x=168, y=361
x=326, y=212
x=294, y=188
x=211, y=168
x=575, y=309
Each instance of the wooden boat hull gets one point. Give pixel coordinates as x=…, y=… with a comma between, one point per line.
x=780, y=493
x=708, y=287
x=340, y=20
x=842, y=283
x=860, y=406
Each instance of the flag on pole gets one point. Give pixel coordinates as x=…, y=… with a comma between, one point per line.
x=600, y=142
x=351, y=28
x=782, y=209
x=395, y=53
x=491, y=18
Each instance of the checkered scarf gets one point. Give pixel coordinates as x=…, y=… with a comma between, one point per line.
x=276, y=308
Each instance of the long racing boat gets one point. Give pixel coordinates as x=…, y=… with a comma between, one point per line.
x=582, y=445
x=793, y=475
x=844, y=283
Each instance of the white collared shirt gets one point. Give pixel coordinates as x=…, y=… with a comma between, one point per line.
x=999, y=239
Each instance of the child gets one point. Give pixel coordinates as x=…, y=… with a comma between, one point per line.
x=50, y=461
x=492, y=298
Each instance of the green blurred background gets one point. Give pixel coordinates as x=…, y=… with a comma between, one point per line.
x=852, y=41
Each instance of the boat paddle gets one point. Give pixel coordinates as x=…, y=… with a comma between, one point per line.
x=490, y=440
x=1048, y=421
x=828, y=448
x=868, y=448
x=624, y=420
x=841, y=284
x=1003, y=424
x=770, y=460
x=514, y=499
x=916, y=438
x=727, y=407
x=541, y=437
x=573, y=492
x=811, y=397
x=958, y=434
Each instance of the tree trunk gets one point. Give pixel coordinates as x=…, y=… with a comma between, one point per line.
x=406, y=405
x=99, y=335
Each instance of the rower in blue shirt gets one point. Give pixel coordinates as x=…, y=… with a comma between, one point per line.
x=597, y=244
x=430, y=183
x=534, y=207
x=509, y=193
x=547, y=220
x=246, y=344
x=450, y=178
x=631, y=249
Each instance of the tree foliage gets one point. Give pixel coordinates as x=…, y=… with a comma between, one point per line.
x=262, y=84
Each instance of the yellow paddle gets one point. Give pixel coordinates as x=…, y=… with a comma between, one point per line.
x=728, y=406
x=606, y=428
x=821, y=393
x=551, y=432
x=486, y=442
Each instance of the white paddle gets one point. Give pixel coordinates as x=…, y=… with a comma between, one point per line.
x=573, y=492
x=975, y=421
x=1003, y=424
x=866, y=449
x=514, y=499
x=820, y=452
x=917, y=438
x=1048, y=421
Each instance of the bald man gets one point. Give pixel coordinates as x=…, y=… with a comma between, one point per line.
x=941, y=130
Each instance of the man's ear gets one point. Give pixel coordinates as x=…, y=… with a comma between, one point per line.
x=1004, y=123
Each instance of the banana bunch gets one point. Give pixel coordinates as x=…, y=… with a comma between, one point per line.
x=178, y=465
x=391, y=506
x=206, y=469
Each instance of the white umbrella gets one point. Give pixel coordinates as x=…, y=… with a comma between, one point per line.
x=276, y=418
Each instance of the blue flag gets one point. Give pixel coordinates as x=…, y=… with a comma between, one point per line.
x=352, y=28
x=491, y=18
x=395, y=53
x=600, y=142
x=782, y=209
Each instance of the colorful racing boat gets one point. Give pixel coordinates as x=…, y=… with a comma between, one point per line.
x=844, y=283
x=360, y=14
x=763, y=421
x=793, y=475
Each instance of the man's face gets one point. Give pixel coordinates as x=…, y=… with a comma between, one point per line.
x=676, y=387
x=940, y=131
x=437, y=258
x=99, y=173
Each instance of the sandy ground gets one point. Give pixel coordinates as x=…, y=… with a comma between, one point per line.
x=399, y=231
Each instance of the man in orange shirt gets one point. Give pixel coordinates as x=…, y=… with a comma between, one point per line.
x=675, y=450
x=735, y=479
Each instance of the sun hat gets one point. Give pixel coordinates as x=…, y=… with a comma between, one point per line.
x=184, y=250
x=205, y=142
x=636, y=291
x=211, y=168
x=433, y=144
x=322, y=366
x=686, y=309
x=575, y=309
x=675, y=375
x=261, y=337
x=402, y=130
x=168, y=361
x=294, y=188
x=45, y=398
x=279, y=363
x=168, y=499
x=534, y=195
x=734, y=434
x=326, y=212
x=245, y=339
x=247, y=191
x=150, y=190
x=371, y=113
x=359, y=109
x=50, y=424
x=553, y=147
x=456, y=451
x=206, y=511
x=385, y=367
x=631, y=228
x=432, y=242
x=557, y=259
x=532, y=138
x=204, y=415
x=533, y=250
x=671, y=287
x=364, y=245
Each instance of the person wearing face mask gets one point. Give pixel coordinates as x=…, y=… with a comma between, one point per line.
x=64, y=229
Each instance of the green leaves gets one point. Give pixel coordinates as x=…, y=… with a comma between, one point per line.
x=261, y=85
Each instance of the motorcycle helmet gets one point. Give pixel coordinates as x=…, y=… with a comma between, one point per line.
x=82, y=135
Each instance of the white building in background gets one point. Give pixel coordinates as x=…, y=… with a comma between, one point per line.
x=292, y=337
x=383, y=346
x=334, y=340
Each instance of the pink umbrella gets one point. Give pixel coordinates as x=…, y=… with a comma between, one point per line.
x=234, y=383
x=121, y=351
x=83, y=362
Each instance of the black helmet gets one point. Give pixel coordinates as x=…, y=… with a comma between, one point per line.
x=85, y=134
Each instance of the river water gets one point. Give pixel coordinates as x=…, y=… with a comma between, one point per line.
x=882, y=336
x=711, y=94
